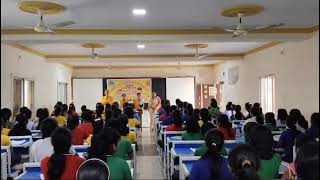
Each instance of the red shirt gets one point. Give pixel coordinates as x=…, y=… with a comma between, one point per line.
x=86, y=129
x=174, y=128
x=78, y=136
x=228, y=135
x=69, y=173
x=163, y=117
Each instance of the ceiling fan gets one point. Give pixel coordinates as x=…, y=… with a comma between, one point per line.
x=197, y=55
x=241, y=30
x=42, y=27
x=93, y=54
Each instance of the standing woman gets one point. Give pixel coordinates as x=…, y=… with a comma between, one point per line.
x=61, y=164
x=155, y=106
x=107, y=99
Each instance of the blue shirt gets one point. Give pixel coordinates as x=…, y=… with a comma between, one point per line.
x=162, y=111
x=136, y=116
x=201, y=170
x=167, y=121
x=313, y=132
x=286, y=141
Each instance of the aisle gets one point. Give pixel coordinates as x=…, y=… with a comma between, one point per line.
x=145, y=119
x=148, y=162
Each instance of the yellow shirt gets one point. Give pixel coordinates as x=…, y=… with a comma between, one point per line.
x=61, y=120
x=5, y=131
x=200, y=122
x=88, y=140
x=5, y=141
x=107, y=100
x=132, y=137
x=132, y=122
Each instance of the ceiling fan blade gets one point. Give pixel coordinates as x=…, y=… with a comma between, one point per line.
x=62, y=24
x=230, y=30
x=203, y=56
x=234, y=36
x=265, y=27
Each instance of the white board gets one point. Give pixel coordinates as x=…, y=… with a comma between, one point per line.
x=87, y=92
x=182, y=88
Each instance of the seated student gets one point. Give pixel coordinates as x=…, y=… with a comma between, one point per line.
x=201, y=151
x=28, y=114
x=97, y=127
x=177, y=122
x=307, y=161
x=238, y=114
x=282, y=117
x=229, y=110
x=42, y=114
x=77, y=136
x=65, y=110
x=99, y=112
x=246, y=113
x=107, y=115
x=169, y=120
x=256, y=116
x=61, y=120
x=214, y=108
x=93, y=169
x=61, y=164
x=313, y=131
x=196, y=113
x=83, y=108
x=188, y=113
x=261, y=140
x=20, y=129
x=5, y=116
x=204, y=116
x=87, y=123
x=116, y=113
x=131, y=135
x=286, y=139
x=212, y=165
x=43, y=147
x=103, y=147
x=192, y=130
x=248, y=129
x=72, y=110
x=132, y=121
x=302, y=124
x=5, y=140
x=270, y=122
x=244, y=163
x=164, y=116
x=300, y=140
x=225, y=127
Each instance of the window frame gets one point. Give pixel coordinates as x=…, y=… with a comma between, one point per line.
x=273, y=77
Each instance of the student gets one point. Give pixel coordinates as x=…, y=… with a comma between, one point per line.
x=313, y=131
x=248, y=129
x=107, y=99
x=65, y=110
x=116, y=113
x=238, y=114
x=212, y=165
x=189, y=113
x=302, y=124
x=42, y=114
x=179, y=105
x=20, y=129
x=214, y=108
x=286, y=139
x=77, y=136
x=83, y=108
x=97, y=127
x=225, y=127
x=244, y=163
x=5, y=140
x=282, y=117
x=169, y=119
x=177, y=122
x=166, y=113
x=256, y=116
x=87, y=125
x=301, y=139
x=270, y=122
x=61, y=120
x=246, y=113
x=5, y=116
x=192, y=130
x=123, y=101
x=204, y=116
x=261, y=140
x=61, y=164
x=229, y=110
x=28, y=114
x=132, y=121
x=99, y=112
x=72, y=110
x=196, y=113
x=130, y=135
x=103, y=147
x=138, y=102
x=307, y=161
x=93, y=169
x=43, y=147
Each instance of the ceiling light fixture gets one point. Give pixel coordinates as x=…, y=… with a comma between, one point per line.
x=139, y=12
x=141, y=46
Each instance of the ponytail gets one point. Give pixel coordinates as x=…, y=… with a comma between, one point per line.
x=56, y=166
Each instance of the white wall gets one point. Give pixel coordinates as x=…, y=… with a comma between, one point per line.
x=45, y=75
x=296, y=71
x=87, y=92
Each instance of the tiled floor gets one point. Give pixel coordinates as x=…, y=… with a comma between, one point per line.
x=148, y=162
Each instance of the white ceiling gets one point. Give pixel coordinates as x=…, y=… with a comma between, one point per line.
x=165, y=13
x=150, y=49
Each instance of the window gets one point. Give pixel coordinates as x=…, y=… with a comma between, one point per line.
x=267, y=93
x=62, y=92
x=23, y=94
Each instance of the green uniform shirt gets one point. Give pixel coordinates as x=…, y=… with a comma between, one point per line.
x=124, y=148
x=119, y=168
x=203, y=149
x=191, y=136
x=270, y=127
x=269, y=169
x=213, y=112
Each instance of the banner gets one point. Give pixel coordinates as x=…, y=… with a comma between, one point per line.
x=130, y=87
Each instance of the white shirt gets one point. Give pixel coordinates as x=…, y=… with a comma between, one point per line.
x=245, y=113
x=229, y=113
x=252, y=119
x=43, y=148
x=31, y=125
